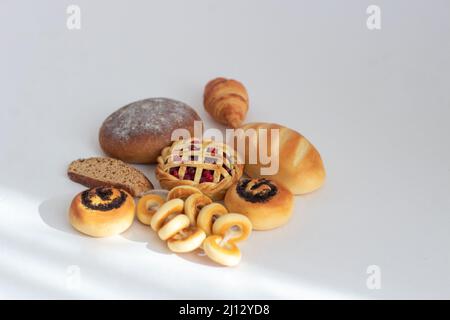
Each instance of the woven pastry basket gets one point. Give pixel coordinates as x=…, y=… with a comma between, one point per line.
x=185, y=163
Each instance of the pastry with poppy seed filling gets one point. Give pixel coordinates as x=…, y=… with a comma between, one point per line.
x=266, y=203
x=102, y=211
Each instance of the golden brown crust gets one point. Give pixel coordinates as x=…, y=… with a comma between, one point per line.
x=264, y=215
x=301, y=169
x=222, y=179
x=147, y=207
x=226, y=100
x=101, y=223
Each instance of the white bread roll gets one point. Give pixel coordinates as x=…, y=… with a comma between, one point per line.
x=300, y=169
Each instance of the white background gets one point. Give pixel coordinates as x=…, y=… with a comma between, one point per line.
x=375, y=104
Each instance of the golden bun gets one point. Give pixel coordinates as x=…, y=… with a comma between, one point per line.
x=266, y=203
x=301, y=169
x=102, y=211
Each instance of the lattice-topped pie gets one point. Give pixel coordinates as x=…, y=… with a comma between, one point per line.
x=210, y=166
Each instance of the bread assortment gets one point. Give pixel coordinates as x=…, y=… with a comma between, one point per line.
x=301, y=168
x=196, y=172
x=226, y=100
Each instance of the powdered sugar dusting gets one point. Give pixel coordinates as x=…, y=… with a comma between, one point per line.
x=154, y=116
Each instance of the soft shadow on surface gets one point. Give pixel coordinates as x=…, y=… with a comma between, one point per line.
x=139, y=232
x=198, y=257
x=54, y=212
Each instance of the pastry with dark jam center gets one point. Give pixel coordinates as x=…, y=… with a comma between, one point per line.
x=256, y=190
x=103, y=198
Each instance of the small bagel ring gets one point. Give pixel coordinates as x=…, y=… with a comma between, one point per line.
x=225, y=224
x=227, y=254
x=193, y=204
x=208, y=215
x=182, y=192
x=147, y=206
x=167, y=209
x=186, y=240
x=172, y=227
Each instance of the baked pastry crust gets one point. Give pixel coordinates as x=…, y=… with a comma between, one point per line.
x=192, y=157
x=266, y=203
x=226, y=100
x=301, y=168
x=102, y=211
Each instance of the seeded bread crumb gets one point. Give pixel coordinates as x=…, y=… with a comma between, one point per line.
x=95, y=172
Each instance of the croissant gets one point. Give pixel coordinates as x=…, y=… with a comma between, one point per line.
x=226, y=100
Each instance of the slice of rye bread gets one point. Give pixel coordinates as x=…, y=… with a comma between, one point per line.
x=100, y=171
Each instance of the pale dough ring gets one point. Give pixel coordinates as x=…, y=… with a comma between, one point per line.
x=172, y=227
x=225, y=224
x=193, y=204
x=207, y=216
x=182, y=192
x=147, y=206
x=227, y=254
x=187, y=240
x=167, y=209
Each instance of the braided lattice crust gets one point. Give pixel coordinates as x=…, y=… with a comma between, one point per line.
x=210, y=166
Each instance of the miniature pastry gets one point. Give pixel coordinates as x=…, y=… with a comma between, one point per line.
x=108, y=172
x=186, y=240
x=300, y=169
x=182, y=192
x=233, y=226
x=210, y=166
x=194, y=204
x=167, y=211
x=174, y=227
x=226, y=100
x=138, y=132
x=102, y=211
x=147, y=206
x=265, y=202
x=208, y=215
x=224, y=253
x=228, y=229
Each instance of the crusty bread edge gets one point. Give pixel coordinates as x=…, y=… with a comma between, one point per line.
x=91, y=182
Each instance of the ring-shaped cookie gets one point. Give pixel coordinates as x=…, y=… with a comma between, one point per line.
x=147, y=206
x=169, y=208
x=233, y=226
x=208, y=215
x=182, y=192
x=172, y=227
x=193, y=204
x=227, y=254
x=186, y=240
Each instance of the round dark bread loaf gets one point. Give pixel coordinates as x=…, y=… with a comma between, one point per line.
x=137, y=132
